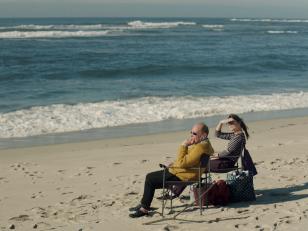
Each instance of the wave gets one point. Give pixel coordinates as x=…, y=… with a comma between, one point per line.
x=213, y=27
x=95, y=30
x=157, y=25
x=269, y=20
x=66, y=118
x=282, y=32
x=51, y=34
x=131, y=25
x=55, y=27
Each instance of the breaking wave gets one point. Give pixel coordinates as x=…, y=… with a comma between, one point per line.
x=282, y=32
x=65, y=118
x=95, y=30
x=269, y=20
x=213, y=26
x=157, y=25
x=51, y=34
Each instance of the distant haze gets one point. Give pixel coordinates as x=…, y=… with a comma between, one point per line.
x=154, y=8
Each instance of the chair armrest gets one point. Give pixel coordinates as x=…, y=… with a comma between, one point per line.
x=162, y=166
x=224, y=157
x=190, y=168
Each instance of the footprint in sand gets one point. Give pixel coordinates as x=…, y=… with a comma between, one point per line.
x=65, y=193
x=27, y=169
x=22, y=218
x=108, y=203
x=305, y=213
x=77, y=209
x=37, y=195
x=169, y=228
x=3, y=180
x=39, y=212
x=87, y=171
x=259, y=163
x=243, y=211
x=131, y=193
x=286, y=220
x=240, y=226
x=81, y=197
x=61, y=171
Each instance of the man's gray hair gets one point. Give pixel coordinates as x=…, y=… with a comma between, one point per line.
x=204, y=128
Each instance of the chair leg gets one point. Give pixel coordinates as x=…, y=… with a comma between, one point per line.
x=206, y=187
x=200, y=199
x=171, y=208
x=163, y=200
x=200, y=196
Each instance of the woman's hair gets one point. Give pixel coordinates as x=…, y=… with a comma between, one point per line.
x=241, y=122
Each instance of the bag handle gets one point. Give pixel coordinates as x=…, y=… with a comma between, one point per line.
x=243, y=148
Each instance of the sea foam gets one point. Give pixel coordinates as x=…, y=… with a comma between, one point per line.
x=65, y=118
x=269, y=20
x=65, y=31
x=213, y=26
x=52, y=34
x=54, y=27
x=157, y=25
x=282, y=32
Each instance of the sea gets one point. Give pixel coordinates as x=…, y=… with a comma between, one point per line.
x=68, y=79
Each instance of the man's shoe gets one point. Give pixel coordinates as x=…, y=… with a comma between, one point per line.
x=138, y=213
x=166, y=197
x=136, y=208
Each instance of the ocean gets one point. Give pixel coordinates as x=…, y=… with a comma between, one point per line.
x=60, y=75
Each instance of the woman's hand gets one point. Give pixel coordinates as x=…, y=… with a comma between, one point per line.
x=225, y=121
x=215, y=156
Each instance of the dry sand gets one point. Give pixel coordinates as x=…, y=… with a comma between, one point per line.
x=91, y=185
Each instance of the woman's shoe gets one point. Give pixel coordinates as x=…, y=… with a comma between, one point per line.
x=138, y=213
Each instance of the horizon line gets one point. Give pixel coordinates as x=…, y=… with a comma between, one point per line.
x=37, y=17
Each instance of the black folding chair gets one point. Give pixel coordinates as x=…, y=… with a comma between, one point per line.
x=224, y=164
x=168, y=185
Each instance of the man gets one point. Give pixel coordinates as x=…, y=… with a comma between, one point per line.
x=189, y=155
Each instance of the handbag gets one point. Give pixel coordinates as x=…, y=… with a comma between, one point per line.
x=241, y=186
x=219, y=194
x=240, y=182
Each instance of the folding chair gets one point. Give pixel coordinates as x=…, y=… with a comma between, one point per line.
x=224, y=164
x=167, y=185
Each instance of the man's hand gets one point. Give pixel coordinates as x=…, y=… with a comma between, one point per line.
x=188, y=142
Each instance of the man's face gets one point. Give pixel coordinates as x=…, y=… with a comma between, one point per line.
x=196, y=134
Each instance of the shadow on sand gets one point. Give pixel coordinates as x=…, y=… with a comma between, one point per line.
x=275, y=195
x=264, y=196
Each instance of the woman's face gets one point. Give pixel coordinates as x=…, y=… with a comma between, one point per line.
x=234, y=126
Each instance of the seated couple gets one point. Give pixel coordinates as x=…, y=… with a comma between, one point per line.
x=189, y=155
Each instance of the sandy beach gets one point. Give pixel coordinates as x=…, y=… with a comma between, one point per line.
x=91, y=185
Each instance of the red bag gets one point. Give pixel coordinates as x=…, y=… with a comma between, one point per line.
x=219, y=194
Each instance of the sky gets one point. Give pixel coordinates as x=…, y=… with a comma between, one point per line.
x=154, y=8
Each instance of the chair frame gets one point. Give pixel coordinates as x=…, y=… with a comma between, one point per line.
x=208, y=175
x=226, y=170
x=204, y=164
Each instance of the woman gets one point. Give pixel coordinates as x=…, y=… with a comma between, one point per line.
x=236, y=137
